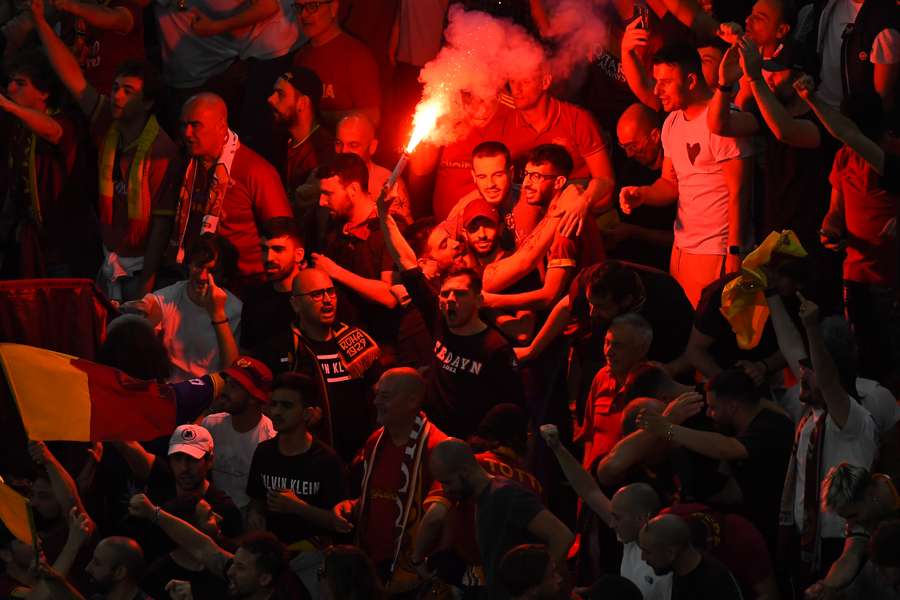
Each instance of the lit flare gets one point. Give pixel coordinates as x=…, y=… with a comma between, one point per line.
x=427, y=114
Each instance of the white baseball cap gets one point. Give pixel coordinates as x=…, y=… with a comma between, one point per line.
x=191, y=439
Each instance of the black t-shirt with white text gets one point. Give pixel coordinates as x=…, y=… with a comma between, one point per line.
x=350, y=400
x=470, y=374
x=316, y=476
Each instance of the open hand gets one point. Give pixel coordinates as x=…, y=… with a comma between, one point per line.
x=653, y=422
x=751, y=59
x=683, y=407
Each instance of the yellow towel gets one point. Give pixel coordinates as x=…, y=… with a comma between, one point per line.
x=744, y=303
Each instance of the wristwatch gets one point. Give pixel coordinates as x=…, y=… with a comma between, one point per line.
x=735, y=250
x=727, y=89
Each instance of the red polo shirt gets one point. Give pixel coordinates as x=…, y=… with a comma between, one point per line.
x=568, y=125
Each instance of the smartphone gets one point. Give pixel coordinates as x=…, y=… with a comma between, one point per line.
x=642, y=13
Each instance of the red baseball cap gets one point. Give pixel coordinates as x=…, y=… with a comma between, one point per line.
x=253, y=375
x=480, y=208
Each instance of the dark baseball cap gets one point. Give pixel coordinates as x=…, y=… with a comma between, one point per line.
x=306, y=82
x=480, y=208
x=253, y=376
x=787, y=57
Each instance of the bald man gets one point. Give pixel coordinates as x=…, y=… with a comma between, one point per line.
x=356, y=135
x=628, y=510
x=506, y=514
x=645, y=236
x=116, y=566
x=225, y=188
x=339, y=357
x=397, y=452
x=665, y=543
x=638, y=131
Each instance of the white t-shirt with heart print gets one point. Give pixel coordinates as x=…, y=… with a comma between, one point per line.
x=697, y=155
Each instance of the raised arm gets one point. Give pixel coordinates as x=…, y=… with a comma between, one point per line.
x=799, y=133
x=43, y=125
x=185, y=535
x=503, y=273
x=721, y=120
x=404, y=256
x=789, y=339
x=690, y=15
x=581, y=481
x=253, y=12
x=634, y=43
x=64, y=488
x=63, y=61
x=116, y=19
x=373, y=290
x=827, y=379
x=138, y=460
x=840, y=126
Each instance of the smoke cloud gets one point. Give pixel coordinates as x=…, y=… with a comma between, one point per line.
x=482, y=53
x=577, y=33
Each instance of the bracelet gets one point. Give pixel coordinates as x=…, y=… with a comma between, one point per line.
x=670, y=433
x=222, y=322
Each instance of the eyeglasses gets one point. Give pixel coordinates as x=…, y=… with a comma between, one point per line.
x=630, y=147
x=534, y=176
x=319, y=295
x=310, y=7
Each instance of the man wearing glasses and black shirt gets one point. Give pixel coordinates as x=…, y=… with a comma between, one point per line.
x=339, y=356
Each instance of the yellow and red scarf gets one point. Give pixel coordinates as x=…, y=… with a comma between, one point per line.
x=138, y=189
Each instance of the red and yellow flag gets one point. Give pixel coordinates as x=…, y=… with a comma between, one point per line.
x=61, y=397
x=16, y=514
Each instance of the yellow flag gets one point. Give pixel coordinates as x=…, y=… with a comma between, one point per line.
x=15, y=512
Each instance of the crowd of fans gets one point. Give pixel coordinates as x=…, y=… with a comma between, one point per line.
x=527, y=370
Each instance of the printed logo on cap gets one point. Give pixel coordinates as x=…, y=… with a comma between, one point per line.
x=243, y=362
x=188, y=435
